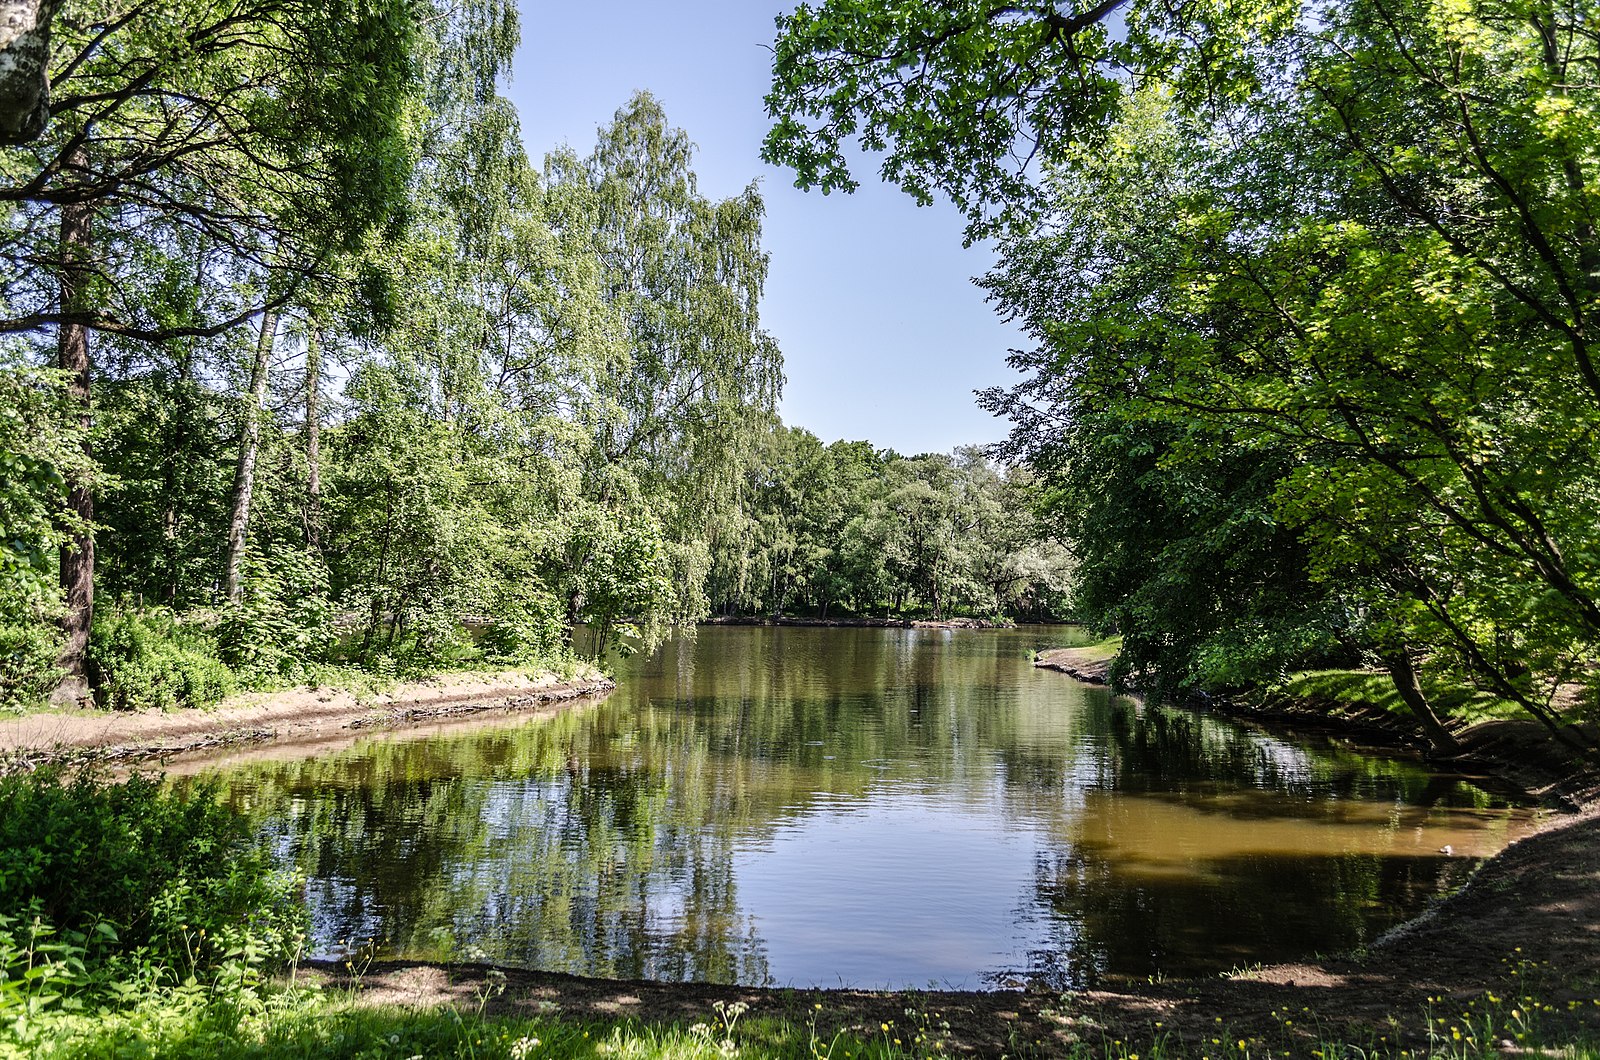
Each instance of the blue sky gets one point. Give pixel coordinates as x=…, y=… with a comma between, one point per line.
x=883, y=334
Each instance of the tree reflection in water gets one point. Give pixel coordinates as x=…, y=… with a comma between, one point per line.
x=873, y=807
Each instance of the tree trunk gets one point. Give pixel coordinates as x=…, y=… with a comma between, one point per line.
x=313, y=437
x=244, y=476
x=1404, y=676
x=24, y=68
x=72, y=356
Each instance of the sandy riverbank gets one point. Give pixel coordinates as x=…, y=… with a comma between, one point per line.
x=297, y=715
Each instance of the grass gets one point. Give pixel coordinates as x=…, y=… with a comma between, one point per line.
x=1369, y=688
x=1081, y=654
x=308, y=1024
x=303, y=1023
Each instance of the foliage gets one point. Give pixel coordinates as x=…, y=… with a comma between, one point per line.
x=37, y=444
x=823, y=529
x=366, y=386
x=147, y=884
x=1349, y=245
x=283, y=621
x=148, y=660
x=255, y=154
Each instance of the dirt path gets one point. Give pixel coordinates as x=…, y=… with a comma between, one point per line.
x=299, y=716
x=1527, y=925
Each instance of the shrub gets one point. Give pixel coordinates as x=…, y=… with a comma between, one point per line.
x=526, y=627
x=283, y=623
x=28, y=673
x=144, y=881
x=141, y=660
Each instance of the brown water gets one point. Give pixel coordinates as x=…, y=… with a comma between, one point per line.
x=864, y=807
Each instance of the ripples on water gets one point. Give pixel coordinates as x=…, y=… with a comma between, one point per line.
x=864, y=807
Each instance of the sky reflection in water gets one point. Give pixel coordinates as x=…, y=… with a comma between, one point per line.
x=861, y=807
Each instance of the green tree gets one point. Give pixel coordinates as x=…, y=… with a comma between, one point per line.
x=1371, y=272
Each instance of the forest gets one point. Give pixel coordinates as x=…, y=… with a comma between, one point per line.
x=309, y=365
x=315, y=379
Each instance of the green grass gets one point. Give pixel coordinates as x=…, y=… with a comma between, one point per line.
x=304, y=1024
x=1093, y=652
x=1368, y=688
x=307, y=1024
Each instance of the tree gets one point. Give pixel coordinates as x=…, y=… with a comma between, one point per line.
x=24, y=61
x=1373, y=269
x=690, y=380
x=262, y=137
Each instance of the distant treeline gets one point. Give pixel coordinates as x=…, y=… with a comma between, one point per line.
x=836, y=529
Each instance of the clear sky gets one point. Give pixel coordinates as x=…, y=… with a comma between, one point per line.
x=883, y=334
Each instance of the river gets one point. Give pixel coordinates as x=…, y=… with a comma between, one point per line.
x=861, y=807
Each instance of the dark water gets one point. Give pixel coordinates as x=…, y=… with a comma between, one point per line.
x=863, y=807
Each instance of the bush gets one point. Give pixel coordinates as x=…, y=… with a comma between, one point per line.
x=282, y=625
x=526, y=628
x=137, y=881
x=28, y=672
x=140, y=660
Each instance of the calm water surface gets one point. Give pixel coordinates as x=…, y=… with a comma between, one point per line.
x=863, y=807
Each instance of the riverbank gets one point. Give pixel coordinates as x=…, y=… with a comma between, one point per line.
x=1515, y=756
x=290, y=716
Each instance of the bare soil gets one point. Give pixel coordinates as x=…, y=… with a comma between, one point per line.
x=296, y=717
x=1090, y=664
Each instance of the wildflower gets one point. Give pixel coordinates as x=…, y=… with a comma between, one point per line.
x=522, y=1047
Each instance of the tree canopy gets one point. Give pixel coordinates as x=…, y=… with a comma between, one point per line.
x=1324, y=277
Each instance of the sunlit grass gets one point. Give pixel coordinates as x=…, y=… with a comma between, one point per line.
x=1373, y=689
x=305, y=1023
